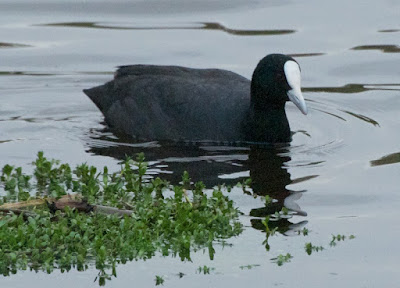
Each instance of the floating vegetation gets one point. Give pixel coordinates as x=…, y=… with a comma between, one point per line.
x=159, y=280
x=310, y=248
x=63, y=218
x=304, y=231
x=281, y=259
x=248, y=267
x=205, y=269
x=338, y=238
x=268, y=200
x=335, y=238
x=59, y=218
x=268, y=232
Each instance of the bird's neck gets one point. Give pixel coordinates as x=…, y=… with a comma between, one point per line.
x=267, y=124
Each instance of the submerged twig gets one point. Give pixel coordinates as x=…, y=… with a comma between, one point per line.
x=24, y=204
x=71, y=201
x=25, y=213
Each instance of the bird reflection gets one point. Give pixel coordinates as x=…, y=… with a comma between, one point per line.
x=211, y=164
x=270, y=177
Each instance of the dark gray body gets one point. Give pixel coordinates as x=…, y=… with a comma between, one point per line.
x=175, y=103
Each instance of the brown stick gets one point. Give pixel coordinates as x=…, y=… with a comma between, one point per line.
x=24, y=204
x=35, y=202
x=25, y=213
x=71, y=201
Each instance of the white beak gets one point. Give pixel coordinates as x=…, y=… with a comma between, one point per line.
x=292, y=73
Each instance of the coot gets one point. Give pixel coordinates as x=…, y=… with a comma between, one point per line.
x=152, y=102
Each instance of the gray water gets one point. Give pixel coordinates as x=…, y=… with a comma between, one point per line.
x=340, y=173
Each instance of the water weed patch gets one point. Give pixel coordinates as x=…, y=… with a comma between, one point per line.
x=36, y=234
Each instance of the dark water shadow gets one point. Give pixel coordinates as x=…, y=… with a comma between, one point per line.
x=386, y=160
x=298, y=55
x=354, y=88
x=215, y=165
x=389, y=30
x=382, y=48
x=63, y=73
x=190, y=26
x=24, y=73
x=13, y=45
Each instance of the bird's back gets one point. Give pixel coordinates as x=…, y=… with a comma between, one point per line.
x=174, y=103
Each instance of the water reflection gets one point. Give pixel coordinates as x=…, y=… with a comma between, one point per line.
x=270, y=177
x=52, y=73
x=214, y=165
x=190, y=26
x=389, y=30
x=354, y=88
x=382, y=48
x=297, y=55
x=387, y=159
x=12, y=45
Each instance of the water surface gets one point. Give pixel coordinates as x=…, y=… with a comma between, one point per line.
x=340, y=174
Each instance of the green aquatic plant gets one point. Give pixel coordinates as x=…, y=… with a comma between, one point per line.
x=248, y=267
x=125, y=217
x=283, y=214
x=338, y=238
x=159, y=280
x=246, y=187
x=305, y=231
x=268, y=232
x=310, y=248
x=268, y=200
x=16, y=184
x=282, y=259
x=205, y=269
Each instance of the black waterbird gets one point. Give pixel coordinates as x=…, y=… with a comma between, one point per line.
x=152, y=102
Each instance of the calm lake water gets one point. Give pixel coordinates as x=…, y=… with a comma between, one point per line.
x=340, y=174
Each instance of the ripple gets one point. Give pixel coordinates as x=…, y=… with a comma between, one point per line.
x=99, y=143
x=323, y=149
x=331, y=114
x=37, y=120
x=362, y=117
x=383, y=48
x=336, y=111
x=190, y=26
x=303, y=179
